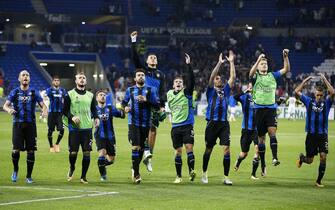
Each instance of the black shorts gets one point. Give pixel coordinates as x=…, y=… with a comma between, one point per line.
x=55, y=120
x=81, y=138
x=265, y=118
x=154, y=119
x=248, y=136
x=137, y=135
x=217, y=129
x=182, y=135
x=316, y=143
x=107, y=144
x=24, y=136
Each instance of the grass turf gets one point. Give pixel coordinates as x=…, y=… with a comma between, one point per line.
x=286, y=186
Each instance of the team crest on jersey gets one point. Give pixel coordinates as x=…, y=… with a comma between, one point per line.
x=317, y=108
x=220, y=93
x=24, y=99
x=158, y=75
x=104, y=117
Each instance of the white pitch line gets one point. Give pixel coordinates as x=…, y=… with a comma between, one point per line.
x=57, y=198
x=51, y=189
x=90, y=194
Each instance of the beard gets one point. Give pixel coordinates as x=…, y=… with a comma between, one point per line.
x=140, y=82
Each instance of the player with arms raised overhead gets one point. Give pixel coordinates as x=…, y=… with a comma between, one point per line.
x=316, y=125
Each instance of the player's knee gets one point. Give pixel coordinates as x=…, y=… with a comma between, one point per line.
x=323, y=158
x=73, y=153
x=244, y=154
x=261, y=140
x=86, y=153
x=189, y=147
x=179, y=151
x=136, y=148
x=226, y=150
x=309, y=160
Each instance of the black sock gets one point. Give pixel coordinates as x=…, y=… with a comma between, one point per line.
x=178, y=163
x=30, y=163
x=15, y=160
x=274, y=147
x=136, y=162
x=261, y=151
x=102, y=165
x=205, y=160
x=140, y=157
x=190, y=161
x=50, y=138
x=239, y=161
x=85, y=164
x=322, y=169
x=226, y=164
x=60, y=136
x=255, y=164
x=72, y=160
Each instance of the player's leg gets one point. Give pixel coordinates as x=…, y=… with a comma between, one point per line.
x=211, y=134
x=311, y=147
x=323, y=149
x=188, y=141
x=261, y=152
x=102, y=164
x=51, y=128
x=110, y=150
x=134, y=137
x=177, y=143
x=31, y=146
x=245, y=144
x=60, y=128
x=73, y=152
x=86, y=145
x=271, y=124
x=255, y=161
x=225, y=143
x=18, y=145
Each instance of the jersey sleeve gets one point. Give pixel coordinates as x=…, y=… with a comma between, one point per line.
x=11, y=96
x=38, y=96
x=126, y=99
x=305, y=99
x=227, y=90
x=115, y=112
x=276, y=74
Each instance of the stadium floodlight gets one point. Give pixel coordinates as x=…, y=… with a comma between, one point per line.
x=101, y=76
x=43, y=64
x=95, y=76
x=72, y=65
x=248, y=27
x=27, y=25
x=7, y=19
x=83, y=22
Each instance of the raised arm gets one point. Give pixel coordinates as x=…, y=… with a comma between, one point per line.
x=215, y=71
x=189, y=76
x=232, y=75
x=135, y=56
x=299, y=88
x=254, y=67
x=287, y=66
x=329, y=86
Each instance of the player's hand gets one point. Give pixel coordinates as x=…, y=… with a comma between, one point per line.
x=261, y=56
x=322, y=76
x=133, y=36
x=44, y=114
x=285, y=52
x=141, y=98
x=307, y=79
x=11, y=111
x=127, y=109
x=231, y=56
x=96, y=122
x=76, y=120
x=162, y=109
x=187, y=59
x=221, y=60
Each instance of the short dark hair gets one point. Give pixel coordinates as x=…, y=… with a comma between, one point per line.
x=139, y=70
x=319, y=88
x=151, y=53
x=101, y=90
x=55, y=77
x=178, y=77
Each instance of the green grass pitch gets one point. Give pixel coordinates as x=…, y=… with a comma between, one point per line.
x=286, y=186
